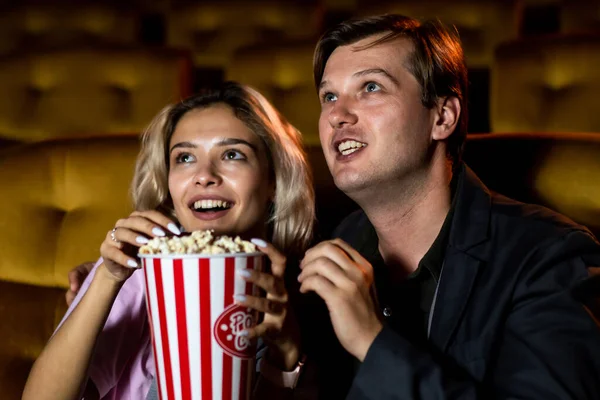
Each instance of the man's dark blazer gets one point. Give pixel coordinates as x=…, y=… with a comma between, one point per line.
x=506, y=323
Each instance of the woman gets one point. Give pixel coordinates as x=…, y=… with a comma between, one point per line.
x=228, y=145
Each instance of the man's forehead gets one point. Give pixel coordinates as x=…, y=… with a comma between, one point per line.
x=368, y=54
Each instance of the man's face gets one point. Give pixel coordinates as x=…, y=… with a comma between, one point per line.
x=374, y=129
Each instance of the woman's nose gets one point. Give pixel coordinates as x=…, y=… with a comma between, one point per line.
x=207, y=175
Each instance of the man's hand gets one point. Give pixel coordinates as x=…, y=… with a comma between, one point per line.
x=76, y=277
x=343, y=279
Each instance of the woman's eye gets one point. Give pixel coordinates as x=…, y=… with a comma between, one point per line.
x=328, y=97
x=372, y=87
x=184, y=158
x=234, y=155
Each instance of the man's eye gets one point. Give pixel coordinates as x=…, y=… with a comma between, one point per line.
x=328, y=97
x=234, y=155
x=372, y=87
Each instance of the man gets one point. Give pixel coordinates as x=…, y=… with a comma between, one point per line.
x=436, y=288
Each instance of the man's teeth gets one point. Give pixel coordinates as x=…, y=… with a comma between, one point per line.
x=349, y=147
x=202, y=204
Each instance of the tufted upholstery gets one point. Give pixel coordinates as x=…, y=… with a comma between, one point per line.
x=50, y=26
x=546, y=84
x=61, y=197
x=481, y=24
x=82, y=92
x=284, y=75
x=215, y=29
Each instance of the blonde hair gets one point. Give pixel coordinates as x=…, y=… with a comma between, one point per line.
x=292, y=216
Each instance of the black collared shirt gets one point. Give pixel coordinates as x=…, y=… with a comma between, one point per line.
x=405, y=305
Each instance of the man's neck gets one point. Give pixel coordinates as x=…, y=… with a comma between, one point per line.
x=408, y=222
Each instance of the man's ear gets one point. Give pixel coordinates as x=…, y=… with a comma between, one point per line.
x=446, y=118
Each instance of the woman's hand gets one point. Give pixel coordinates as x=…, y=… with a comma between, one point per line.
x=120, y=247
x=279, y=327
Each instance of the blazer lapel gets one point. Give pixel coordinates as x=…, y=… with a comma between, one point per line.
x=463, y=259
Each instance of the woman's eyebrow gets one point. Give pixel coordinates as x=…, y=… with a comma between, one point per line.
x=232, y=141
x=185, y=145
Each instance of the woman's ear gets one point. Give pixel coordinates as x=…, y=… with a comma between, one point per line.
x=447, y=116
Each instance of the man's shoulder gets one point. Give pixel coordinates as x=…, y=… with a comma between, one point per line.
x=531, y=219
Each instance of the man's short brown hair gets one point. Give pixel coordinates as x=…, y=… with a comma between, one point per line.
x=437, y=61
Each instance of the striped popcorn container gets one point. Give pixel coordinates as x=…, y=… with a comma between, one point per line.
x=195, y=325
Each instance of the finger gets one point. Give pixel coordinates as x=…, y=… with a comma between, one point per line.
x=158, y=218
x=329, y=270
x=322, y=286
x=274, y=286
x=264, y=330
x=357, y=268
x=86, y=267
x=69, y=297
x=134, y=226
x=350, y=251
x=117, y=256
x=278, y=260
x=76, y=277
x=326, y=249
x=261, y=304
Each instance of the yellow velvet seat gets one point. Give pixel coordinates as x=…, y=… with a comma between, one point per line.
x=546, y=84
x=60, y=198
x=283, y=73
x=46, y=25
x=214, y=30
x=83, y=92
x=481, y=24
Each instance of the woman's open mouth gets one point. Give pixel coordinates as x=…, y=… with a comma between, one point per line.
x=209, y=209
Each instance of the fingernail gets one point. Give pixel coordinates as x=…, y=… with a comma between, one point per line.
x=132, y=263
x=141, y=240
x=259, y=242
x=173, y=228
x=245, y=273
x=158, y=232
x=239, y=297
x=243, y=333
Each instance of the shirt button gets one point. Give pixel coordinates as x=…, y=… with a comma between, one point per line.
x=387, y=312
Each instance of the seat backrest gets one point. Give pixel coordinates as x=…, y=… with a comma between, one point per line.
x=214, y=30
x=283, y=74
x=86, y=91
x=559, y=170
x=481, y=24
x=546, y=84
x=51, y=25
x=59, y=199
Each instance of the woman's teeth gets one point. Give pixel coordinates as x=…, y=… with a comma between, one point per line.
x=209, y=204
x=349, y=147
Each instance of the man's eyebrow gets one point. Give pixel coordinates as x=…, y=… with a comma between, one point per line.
x=367, y=72
x=380, y=71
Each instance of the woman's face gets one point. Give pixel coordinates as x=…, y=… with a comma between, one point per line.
x=219, y=173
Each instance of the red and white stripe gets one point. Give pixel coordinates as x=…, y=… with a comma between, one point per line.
x=185, y=297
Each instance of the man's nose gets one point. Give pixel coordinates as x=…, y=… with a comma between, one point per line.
x=342, y=113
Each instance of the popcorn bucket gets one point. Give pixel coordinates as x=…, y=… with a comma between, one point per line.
x=195, y=324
